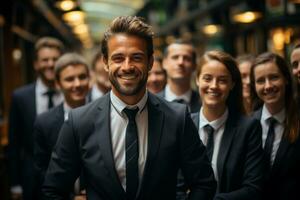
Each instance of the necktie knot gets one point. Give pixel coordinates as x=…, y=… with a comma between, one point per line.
x=50, y=93
x=272, y=121
x=131, y=113
x=209, y=129
x=182, y=101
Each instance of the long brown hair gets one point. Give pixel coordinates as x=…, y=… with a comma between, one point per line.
x=292, y=125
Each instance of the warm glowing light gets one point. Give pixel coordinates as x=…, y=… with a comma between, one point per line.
x=80, y=29
x=66, y=5
x=278, y=39
x=247, y=17
x=74, y=17
x=210, y=29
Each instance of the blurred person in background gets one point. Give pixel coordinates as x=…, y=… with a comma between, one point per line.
x=28, y=102
x=277, y=109
x=100, y=81
x=157, y=77
x=72, y=78
x=180, y=62
x=295, y=62
x=233, y=140
x=244, y=64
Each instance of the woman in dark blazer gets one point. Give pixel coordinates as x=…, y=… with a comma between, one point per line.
x=273, y=94
x=234, y=147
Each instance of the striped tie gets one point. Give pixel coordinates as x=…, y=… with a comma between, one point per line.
x=132, y=155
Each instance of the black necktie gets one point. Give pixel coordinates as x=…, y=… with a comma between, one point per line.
x=50, y=94
x=132, y=155
x=210, y=141
x=179, y=101
x=270, y=139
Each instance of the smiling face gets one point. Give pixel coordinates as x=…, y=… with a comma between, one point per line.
x=215, y=83
x=295, y=60
x=44, y=64
x=128, y=66
x=74, y=84
x=270, y=85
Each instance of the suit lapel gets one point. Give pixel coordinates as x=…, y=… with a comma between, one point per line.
x=155, y=124
x=281, y=152
x=102, y=128
x=229, y=132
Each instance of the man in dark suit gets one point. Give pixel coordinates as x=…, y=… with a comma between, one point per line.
x=129, y=143
x=180, y=62
x=27, y=102
x=72, y=78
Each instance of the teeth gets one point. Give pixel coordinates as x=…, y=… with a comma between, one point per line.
x=128, y=76
x=214, y=94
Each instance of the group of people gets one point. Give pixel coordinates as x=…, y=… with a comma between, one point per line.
x=145, y=133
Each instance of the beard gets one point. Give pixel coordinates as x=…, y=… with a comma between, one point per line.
x=128, y=90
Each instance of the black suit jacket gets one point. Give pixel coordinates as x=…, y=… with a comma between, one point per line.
x=46, y=129
x=283, y=180
x=239, y=162
x=85, y=143
x=21, y=119
x=195, y=103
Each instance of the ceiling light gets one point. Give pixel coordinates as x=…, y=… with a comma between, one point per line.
x=211, y=29
x=66, y=5
x=247, y=17
x=74, y=17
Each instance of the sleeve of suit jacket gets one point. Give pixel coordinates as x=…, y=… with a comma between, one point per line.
x=64, y=166
x=195, y=166
x=253, y=167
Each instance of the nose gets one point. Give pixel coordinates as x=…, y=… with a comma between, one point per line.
x=247, y=80
x=268, y=84
x=180, y=60
x=127, y=65
x=77, y=82
x=214, y=83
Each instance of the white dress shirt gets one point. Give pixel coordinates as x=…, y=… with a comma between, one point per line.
x=171, y=96
x=42, y=99
x=96, y=93
x=279, y=128
x=118, y=126
x=219, y=126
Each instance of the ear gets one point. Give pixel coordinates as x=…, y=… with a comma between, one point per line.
x=105, y=61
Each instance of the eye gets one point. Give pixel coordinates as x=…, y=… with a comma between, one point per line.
x=137, y=58
x=223, y=80
x=83, y=77
x=260, y=80
x=274, y=77
x=117, y=58
x=206, y=78
x=295, y=64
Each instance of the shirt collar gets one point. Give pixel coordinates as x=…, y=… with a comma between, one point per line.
x=216, y=124
x=41, y=88
x=280, y=116
x=171, y=96
x=119, y=105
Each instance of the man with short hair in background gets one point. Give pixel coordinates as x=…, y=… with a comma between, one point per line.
x=28, y=102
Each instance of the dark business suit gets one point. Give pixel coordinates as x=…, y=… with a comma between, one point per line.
x=283, y=180
x=85, y=143
x=46, y=129
x=239, y=162
x=194, y=105
x=21, y=120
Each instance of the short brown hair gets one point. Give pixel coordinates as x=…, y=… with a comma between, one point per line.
x=67, y=60
x=49, y=42
x=130, y=25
